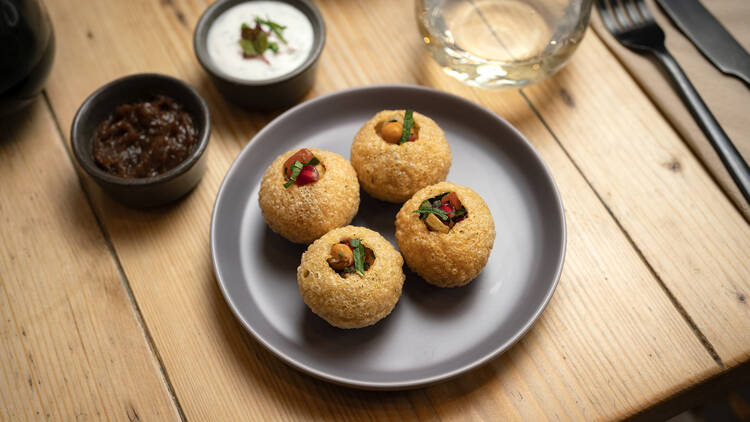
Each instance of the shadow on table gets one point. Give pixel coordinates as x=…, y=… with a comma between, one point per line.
x=13, y=125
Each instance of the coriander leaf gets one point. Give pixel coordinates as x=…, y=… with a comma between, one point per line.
x=261, y=42
x=246, y=32
x=359, y=256
x=248, y=48
x=275, y=28
x=425, y=209
x=460, y=212
x=313, y=162
x=408, y=123
x=296, y=168
x=440, y=213
x=273, y=47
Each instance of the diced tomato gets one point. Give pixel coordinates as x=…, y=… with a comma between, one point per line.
x=303, y=156
x=308, y=174
x=452, y=199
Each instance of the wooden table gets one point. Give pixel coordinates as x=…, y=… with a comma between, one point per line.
x=109, y=313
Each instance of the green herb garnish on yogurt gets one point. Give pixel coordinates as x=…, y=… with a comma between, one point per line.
x=276, y=28
x=255, y=40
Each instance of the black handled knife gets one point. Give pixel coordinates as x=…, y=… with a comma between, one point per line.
x=711, y=38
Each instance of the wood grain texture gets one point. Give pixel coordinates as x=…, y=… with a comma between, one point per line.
x=71, y=345
x=696, y=241
x=610, y=343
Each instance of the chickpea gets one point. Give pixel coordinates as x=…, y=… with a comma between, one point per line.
x=369, y=256
x=391, y=132
x=341, y=257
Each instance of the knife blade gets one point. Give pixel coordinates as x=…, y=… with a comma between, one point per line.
x=708, y=34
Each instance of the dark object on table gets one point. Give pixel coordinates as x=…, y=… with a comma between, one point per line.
x=144, y=139
x=270, y=94
x=148, y=191
x=631, y=23
x=27, y=49
x=710, y=36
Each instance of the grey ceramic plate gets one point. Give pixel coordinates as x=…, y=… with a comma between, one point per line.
x=433, y=333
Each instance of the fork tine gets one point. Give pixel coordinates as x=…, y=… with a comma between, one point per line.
x=607, y=18
x=622, y=17
x=632, y=8
x=643, y=8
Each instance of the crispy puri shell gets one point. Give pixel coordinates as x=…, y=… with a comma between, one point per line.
x=393, y=172
x=355, y=301
x=304, y=213
x=446, y=259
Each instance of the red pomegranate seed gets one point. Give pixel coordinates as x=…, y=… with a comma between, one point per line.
x=308, y=174
x=448, y=209
x=412, y=138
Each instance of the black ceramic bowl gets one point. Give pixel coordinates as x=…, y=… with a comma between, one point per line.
x=269, y=94
x=150, y=191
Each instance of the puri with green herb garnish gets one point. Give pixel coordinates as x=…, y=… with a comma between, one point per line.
x=445, y=233
x=351, y=277
x=440, y=213
x=302, y=168
x=307, y=192
x=351, y=256
x=398, y=152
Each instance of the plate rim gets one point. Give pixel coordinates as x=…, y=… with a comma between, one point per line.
x=418, y=382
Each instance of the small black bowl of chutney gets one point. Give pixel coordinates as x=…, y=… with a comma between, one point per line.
x=142, y=138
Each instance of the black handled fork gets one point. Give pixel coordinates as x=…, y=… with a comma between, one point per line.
x=632, y=24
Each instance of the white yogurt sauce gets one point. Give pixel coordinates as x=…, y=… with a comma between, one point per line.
x=224, y=36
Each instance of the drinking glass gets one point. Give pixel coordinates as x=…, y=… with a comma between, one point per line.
x=502, y=43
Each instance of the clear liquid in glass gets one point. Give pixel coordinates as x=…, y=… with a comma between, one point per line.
x=502, y=43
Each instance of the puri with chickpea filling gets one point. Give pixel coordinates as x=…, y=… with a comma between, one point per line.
x=306, y=193
x=398, y=152
x=351, y=277
x=446, y=233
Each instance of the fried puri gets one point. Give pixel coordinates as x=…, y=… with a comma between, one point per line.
x=351, y=300
x=304, y=213
x=446, y=258
x=393, y=172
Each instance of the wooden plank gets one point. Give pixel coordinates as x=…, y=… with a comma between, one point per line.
x=610, y=343
x=696, y=241
x=71, y=343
